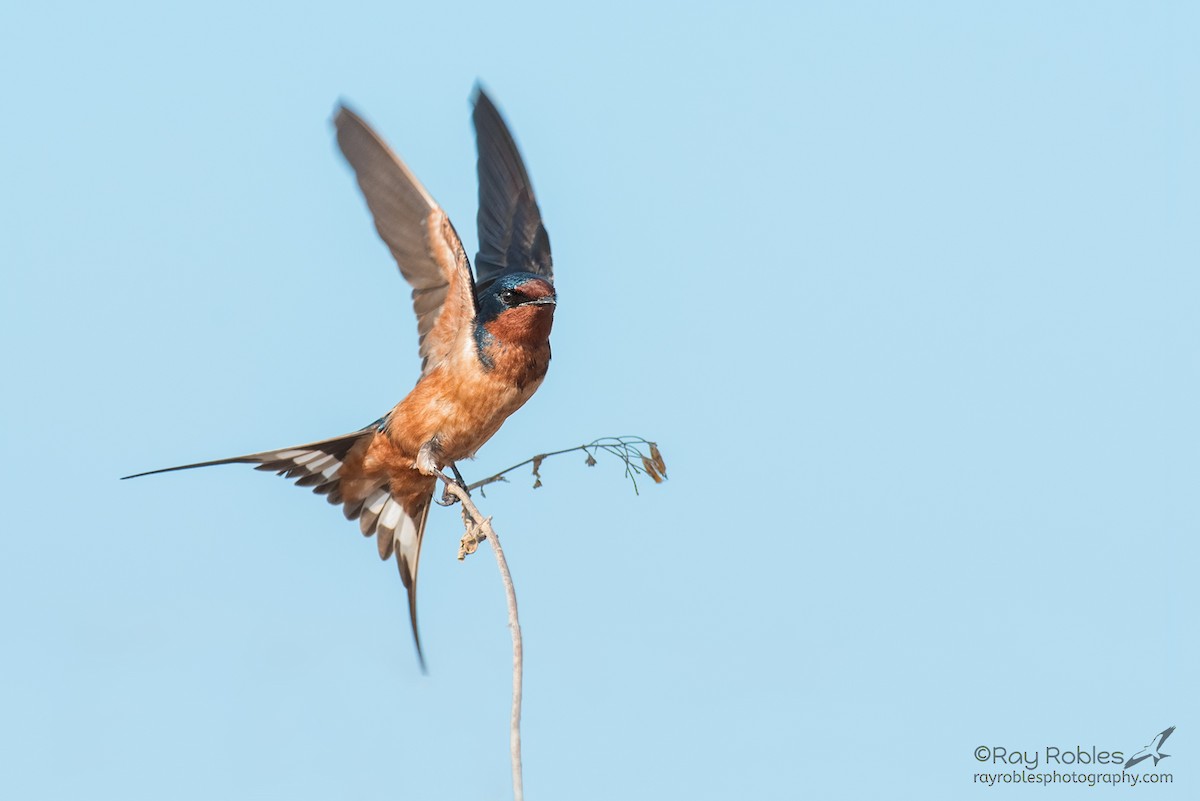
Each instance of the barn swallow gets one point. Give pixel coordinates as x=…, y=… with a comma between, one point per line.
x=484, y=341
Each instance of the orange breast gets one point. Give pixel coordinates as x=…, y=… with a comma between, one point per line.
x=462, y=406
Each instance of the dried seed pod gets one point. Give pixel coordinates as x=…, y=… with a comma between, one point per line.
x=651, y=470
x=656, y=455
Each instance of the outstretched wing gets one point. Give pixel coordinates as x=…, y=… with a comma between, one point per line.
x=511, y=235
x=420, y=236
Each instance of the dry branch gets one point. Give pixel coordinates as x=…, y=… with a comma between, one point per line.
x=627, y=449
x=479, y=528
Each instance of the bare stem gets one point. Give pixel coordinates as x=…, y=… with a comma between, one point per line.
x=481, y=527
x=625, y=448
x=483, y=482
x=478, y=527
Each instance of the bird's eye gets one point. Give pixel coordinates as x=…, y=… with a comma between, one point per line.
x=509, y=296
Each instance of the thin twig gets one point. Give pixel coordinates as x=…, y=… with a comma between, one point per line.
x=479, y=528
x=483, y=528
x=483, y=482
x=624, y=448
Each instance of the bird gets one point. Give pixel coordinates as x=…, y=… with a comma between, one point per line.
x=484, y=341
x=1151, y=750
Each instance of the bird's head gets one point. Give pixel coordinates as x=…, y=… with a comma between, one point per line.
x=517, y=308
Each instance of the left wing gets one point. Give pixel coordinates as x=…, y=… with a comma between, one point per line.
x=420, y=236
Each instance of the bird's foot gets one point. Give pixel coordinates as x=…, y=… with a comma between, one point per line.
x=448, y=498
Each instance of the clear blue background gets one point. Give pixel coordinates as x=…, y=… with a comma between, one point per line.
x=908, y=295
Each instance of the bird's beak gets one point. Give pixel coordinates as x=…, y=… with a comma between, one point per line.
x=546, y=300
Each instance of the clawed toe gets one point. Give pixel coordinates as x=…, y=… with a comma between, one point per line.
x=448, y=498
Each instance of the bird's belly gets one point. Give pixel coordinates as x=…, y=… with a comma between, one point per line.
x=474, y=414
x=458, y=410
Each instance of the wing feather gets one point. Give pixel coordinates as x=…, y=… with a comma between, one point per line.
x=512, y=237
x=418, y=233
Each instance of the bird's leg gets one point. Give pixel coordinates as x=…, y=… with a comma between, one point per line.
x=447, y=499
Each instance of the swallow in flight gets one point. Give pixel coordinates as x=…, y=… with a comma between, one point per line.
x=484, y=340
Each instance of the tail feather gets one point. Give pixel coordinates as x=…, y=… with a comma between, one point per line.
x=396, y=515
x=408, y=554
x=234, y=460
x=316, y=463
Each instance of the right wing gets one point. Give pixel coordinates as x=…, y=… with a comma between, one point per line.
x=511, y=235
x=420, y=236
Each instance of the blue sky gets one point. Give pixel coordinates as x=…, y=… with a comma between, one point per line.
x=907, y=295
